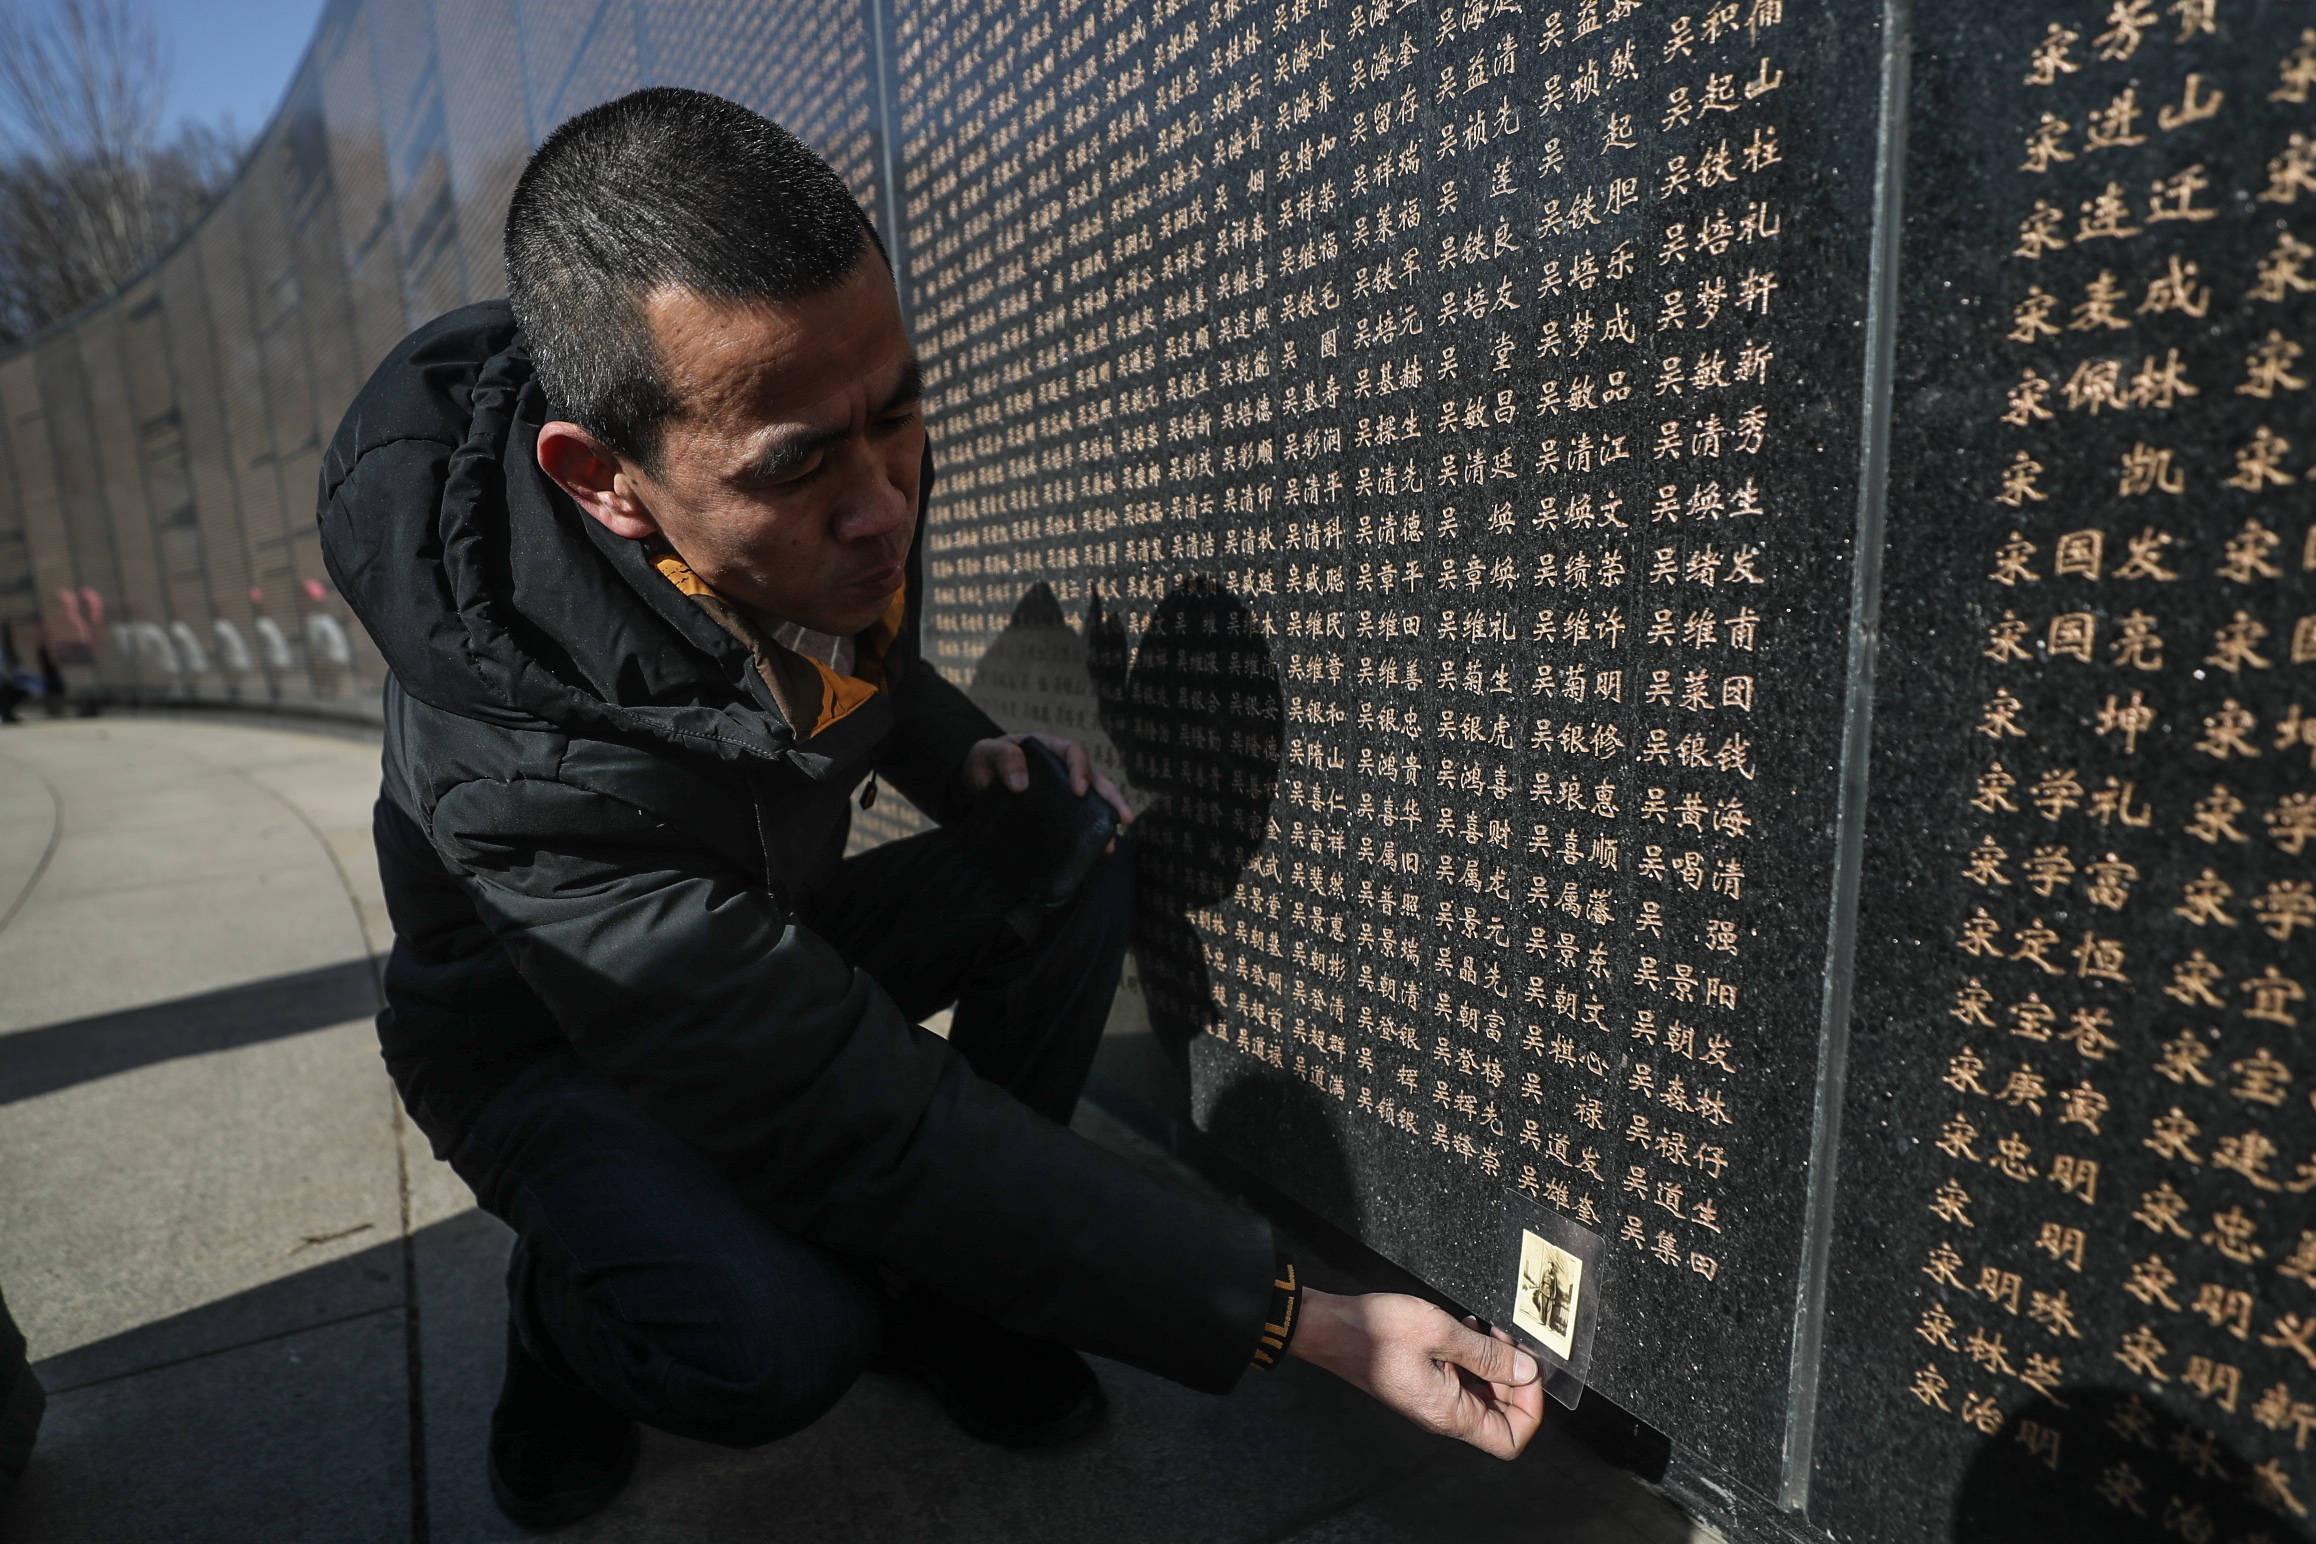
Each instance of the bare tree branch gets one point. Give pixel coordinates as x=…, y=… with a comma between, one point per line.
x=89, y=194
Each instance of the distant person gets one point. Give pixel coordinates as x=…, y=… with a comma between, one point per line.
x=52, y=688
x=644, y=554
x=13, y=689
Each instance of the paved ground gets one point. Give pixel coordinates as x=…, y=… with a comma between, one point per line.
x=265, y=1313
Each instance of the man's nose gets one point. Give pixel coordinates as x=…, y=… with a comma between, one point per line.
x=880, y=498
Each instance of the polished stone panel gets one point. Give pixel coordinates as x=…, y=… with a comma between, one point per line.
x=1442, y=427
x=2071, y=1268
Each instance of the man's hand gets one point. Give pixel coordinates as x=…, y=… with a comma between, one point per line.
x=1444, y=1376
x=991, y=760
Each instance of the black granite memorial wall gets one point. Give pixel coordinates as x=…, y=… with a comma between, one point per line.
x=1708, y=604
x=2073, y=1265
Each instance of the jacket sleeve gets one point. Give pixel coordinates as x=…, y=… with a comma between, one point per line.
x=678, y=978
x=935, y=724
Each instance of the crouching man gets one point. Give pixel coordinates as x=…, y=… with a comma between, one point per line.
x=643, y=552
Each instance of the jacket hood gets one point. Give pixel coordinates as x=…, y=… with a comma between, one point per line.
x=492, y=596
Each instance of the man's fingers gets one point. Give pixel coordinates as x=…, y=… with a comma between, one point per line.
x=1492, y=1357
x=1116, y=800
x=1073, y=757
x=1013, y=766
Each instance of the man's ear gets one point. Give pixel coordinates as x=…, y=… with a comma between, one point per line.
x=587, y=469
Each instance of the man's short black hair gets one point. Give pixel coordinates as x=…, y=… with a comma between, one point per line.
x=662, y=187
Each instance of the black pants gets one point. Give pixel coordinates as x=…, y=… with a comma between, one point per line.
x=638, y=1272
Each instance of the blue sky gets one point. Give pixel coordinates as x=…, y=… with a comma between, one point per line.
x=229, y=56
x=233, y=56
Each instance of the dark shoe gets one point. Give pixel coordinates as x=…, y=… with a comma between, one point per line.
x=1014, y=1390
x=21, y=1403
x=558, y=1453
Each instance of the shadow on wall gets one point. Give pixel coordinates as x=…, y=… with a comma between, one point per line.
x=1194, y=710
x=2103, y=1464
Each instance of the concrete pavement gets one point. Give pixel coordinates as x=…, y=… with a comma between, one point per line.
x=263, y=1310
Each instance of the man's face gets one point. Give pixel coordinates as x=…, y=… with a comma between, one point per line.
x=789, y=480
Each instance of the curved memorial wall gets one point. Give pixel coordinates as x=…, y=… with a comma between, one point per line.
x=1710, y=602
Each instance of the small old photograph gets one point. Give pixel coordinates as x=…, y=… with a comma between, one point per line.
x=1551, y=1284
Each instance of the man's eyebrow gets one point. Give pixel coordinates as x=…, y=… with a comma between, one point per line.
x=910, y=388
x=790, y=451
x=787, y=452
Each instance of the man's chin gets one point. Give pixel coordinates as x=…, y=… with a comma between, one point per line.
x=857, y=619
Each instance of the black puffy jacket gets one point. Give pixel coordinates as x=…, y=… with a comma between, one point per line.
x=596, y=827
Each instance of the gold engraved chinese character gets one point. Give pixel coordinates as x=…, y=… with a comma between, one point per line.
x=2049, y=869
x=2018, y=481
x=2195, y=104
x=2247, y=554
x=2026, y=400
x=2292, y=823
x=2286, y=905
x=2114, y=126
x=2268, y=367
x=2259, y=464
x=2039, y=231
x=2128, y=719
x=2111, y=803
x=2183, y=1054
x=2034, y=943
x=2105, y=215
x=2000, y=716
x=2079, y=553
x=2297, y=728
x=1986, y=861
x=2224, y=732
x=2043, y=148
x=2108, y=882
x=2151, y=1279
x=2260, y=1078
x=2049, y=60
x=2195, y=16
x=1994, y=786
x=2143, y=558
x=2204, y=899
x=2097, y=307
x=2100, y=958
x=2128, y=21
x=2297, y=70
x=2148, y=469
x=2030, y=320
x=2071, y=632
x=2003, y=640
x=2177, y=290
x=2010, y=562
x=2233, y=645
x=2137, y=643
x=2142, y=1353
x=2175, y=195
x=2291, y=173
x=2215, y=816
x=2274, y=997
x=2280, y=273
x=2056, y=792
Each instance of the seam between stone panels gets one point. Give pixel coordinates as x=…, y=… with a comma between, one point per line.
x=1857, y=744
x=888, y=152
x=570, y=71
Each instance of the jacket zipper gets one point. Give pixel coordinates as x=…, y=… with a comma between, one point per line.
x=868, y=791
